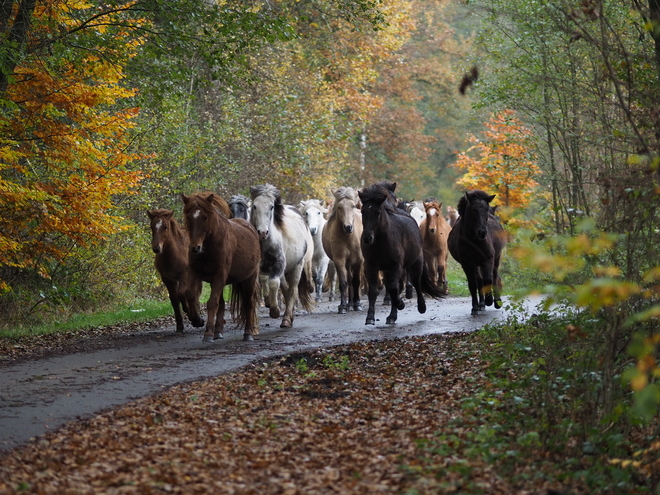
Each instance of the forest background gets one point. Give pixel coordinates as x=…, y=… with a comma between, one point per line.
x=109, y=109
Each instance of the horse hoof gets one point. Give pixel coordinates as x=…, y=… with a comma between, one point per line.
x=489, y=299
x=207, y=338
x=498, y=303
x=409, y=292
x=475, y=311
x=370, y=321
x=421, y=307
x=358, y=307
x=286, y=323
x=198, y=323
x=274, y=312
x=179, y=330
x=218, y=335
x=342, y=310
x=390, y=320
x=248, y=338
x=402, y=305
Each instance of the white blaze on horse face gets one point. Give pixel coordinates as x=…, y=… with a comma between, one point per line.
x=159, y=224
x=433, y=211
x=197, y=214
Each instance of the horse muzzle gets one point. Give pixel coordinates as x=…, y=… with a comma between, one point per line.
x=157, y=249
x=348, y=229
x=481, y=234
x=313, y=230
x=368, y=239
x=196, y=249
x=263, y=234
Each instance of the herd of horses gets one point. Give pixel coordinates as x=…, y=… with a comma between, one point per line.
x=264, y=248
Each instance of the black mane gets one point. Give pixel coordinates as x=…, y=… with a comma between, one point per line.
x=471, y=196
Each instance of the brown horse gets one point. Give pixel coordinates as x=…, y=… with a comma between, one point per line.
x=435, y=230
x=341, y=241
x=223, y=251
x=169, y=243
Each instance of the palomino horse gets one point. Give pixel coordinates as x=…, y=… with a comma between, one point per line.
x=392, y=243
x=287, y=249
x=314, y=215
x=239, y=206
x=435, y=229
x=476, y=242
x=169, y=243
x=341, y=240
x=223, y=251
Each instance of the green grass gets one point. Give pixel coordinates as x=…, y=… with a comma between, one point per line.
x=140, y=310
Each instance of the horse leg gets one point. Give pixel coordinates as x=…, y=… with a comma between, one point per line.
x=487, y=271
x=212, y=312
x=173, y=292
x=247, y=290
x=193, y=293
x=415, y=275
x=290, y=290
x=355, y=284
x=497, y=284
x=394, y=284
x=372, y=282
x=343, y=287
x=272, y=295
x=218, y=330
x=471, y=276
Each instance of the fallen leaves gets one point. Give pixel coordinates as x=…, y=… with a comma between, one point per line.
x=362, y=418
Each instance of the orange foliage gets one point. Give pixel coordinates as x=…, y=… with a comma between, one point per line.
x=504, y=163
x=63, y=148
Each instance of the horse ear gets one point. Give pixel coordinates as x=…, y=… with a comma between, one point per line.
x=490, y=198
x=168, y=214
x=185, y=198
x=150, y=215
x=210, y=198
x=392, y=186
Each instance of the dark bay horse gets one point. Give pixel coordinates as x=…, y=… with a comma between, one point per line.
x=223, y=251
x=391, y=243
x=435, y=230
x=341, y=241
x=476, y=241
x=239, y=206
x=169, y=243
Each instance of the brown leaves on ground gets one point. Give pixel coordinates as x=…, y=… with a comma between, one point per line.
x=349, y=420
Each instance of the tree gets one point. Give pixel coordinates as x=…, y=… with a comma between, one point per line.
x=505, y=163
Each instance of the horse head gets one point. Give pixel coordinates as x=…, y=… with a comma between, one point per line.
x=198, y=211
x=240, y=206
x=267, y=208
x=160, y=224
x=344, y=209
x=433, y=212
x=475, y=207
x=313, y=213
x=375, y=199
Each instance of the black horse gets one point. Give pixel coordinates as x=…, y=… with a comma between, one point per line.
x=240, y=206
x=391, y=243
x=476, y=241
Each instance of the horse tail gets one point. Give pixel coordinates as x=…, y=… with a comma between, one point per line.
x=236, y=306
x=305, y=289
x=429, y=287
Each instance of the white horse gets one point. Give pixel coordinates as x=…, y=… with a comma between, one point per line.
x=417, y=211
x=314, y=214
x=286, y=251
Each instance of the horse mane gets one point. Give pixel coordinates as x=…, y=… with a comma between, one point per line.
x=380, y=194
x=312, y=203
x=471, y=196
x=239, y=199
x=272, y=193
x=341, y=194
x=216, y=202
x=389, y=187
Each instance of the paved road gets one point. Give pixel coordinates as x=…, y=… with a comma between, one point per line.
x=41, y=395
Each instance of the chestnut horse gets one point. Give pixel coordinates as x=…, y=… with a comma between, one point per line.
x=169, y=243
x=392, y=242
x=222, y=252
x=341, y=241
x=435, y=230
x=476, y=242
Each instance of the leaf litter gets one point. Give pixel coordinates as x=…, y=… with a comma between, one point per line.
x=355, y=419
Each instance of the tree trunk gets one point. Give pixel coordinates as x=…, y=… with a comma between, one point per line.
x=15, y=42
